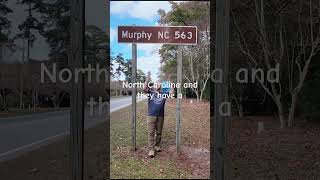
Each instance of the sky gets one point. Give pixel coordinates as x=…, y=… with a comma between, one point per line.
x=137, y=13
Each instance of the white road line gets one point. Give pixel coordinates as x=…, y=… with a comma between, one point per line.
x=2, y=155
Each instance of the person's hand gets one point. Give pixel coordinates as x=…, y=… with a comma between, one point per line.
x=146, y=89
x=148, y=76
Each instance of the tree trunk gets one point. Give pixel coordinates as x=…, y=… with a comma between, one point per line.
x=281, y=115
x=292, y=110
x=197, y=94
x=4, y=102
x=33, y=99
x=240, y=109
x=37, y=98
x=22, y=76
x=54, y=101
x=201, y=93
x=21, y=90
x=1, y=48
x=35, y=103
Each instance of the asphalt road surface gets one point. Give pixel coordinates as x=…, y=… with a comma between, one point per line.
x=24, y=133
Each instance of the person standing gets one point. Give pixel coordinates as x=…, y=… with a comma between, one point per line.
x=155, y=115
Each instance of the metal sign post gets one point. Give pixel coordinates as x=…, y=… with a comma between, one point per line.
x=178, y=115
x=179, y=35
x=221, y=89
x=134, y=92
x=77, y=93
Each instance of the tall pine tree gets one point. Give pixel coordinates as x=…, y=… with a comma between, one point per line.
x=4, y=24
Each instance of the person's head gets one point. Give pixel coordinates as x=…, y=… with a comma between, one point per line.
x=150, y=84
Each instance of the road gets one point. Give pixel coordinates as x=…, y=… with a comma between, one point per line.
x=24, y=133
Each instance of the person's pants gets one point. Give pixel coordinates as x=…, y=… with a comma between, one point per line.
x=155, y=124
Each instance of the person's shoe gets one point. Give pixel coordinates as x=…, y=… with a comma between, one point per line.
x=157, y=148
x=151, y=153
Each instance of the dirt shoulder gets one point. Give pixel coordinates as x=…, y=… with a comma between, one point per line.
x=290, y=153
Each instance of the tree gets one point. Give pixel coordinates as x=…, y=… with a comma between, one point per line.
x=5, y=25
x=96, y=45
x=53, y=24
x=4, y=40
x=55, y=17
x=284, y=42
x=56, y=95
x=4, y=22
x=168, y=55
x=141, y=76
x=238, y=93
x=309, y=104
x=196, y=59
x=124, y=66
x=96, y=53
x=4, y=94
x=26, y=28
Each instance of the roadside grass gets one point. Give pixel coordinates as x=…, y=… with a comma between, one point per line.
x=167, y=164
x=125, y=163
